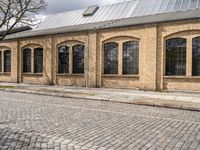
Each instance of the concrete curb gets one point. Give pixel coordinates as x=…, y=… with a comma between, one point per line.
x=176, y=104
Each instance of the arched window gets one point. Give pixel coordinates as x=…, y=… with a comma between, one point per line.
x=38, y=60
x=63, y=59
x=111, y=58
x=176, y=57
x=78, y=59
x=196, y=56
x=7, y=61
x=131, y=57
x=27, y=60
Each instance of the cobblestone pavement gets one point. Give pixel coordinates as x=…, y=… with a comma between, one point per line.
x=43, y=122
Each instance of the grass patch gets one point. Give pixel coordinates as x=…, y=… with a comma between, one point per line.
x=92, y=94
x=6, y=86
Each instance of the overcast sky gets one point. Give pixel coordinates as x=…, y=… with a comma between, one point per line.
x=55, y=6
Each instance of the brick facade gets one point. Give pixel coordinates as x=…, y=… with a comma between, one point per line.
x=151, y=58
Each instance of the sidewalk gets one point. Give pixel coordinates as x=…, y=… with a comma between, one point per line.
x=180, y=100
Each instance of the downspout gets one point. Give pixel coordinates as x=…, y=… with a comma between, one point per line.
x=52, y=82
x=18, y=62
x=87, y=59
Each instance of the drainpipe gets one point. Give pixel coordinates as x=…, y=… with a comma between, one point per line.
x=87, y=60
x=53, y=76
x=18, y=62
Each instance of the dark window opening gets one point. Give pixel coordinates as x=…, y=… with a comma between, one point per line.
x=78, y=59
x=196, y=56
x=27, y=60
x=176, y=57
x=7, y=61
x=63, y=59
x=38, y=60
x=111, y=58
x=131, y=57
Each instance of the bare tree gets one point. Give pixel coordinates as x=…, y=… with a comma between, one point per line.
x=18, y=12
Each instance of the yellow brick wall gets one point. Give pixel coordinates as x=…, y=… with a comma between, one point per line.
x=185, y=29
x=147, y=37
x=46, y=76
x=70, y=40
x=151, y=58
x=13, y=76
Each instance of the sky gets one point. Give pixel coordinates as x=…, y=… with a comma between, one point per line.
x=55, y=6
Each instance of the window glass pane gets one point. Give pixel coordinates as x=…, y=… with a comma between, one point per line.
x=111, y=58
x=196, y=56
x=0, y=61
x=193, y=4
x=91, y=11
x=38, y=60
x=7, y=61
x=131, y=57
x=27, y=60
x=176, y=57
x=78, y=59
x=63, y=59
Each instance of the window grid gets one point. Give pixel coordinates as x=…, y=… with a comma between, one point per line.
x=63, y=59
x=27, y=60
x=131, y=58
x=196, y=56
x=7, y=61
x=111, y=58
x=176, y=57
x=78, y=59
x=38, y=60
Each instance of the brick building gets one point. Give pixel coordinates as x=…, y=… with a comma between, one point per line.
x=136, y=44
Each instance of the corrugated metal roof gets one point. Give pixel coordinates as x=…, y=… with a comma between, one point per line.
x=127, y=13
x=104, y=13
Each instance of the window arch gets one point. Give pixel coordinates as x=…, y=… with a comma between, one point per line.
x=63, y=59
x=176, y=57
x=27, y=60
x=38, y=60
x=78, y=59
x=196, y=56
x=111, y=58
x=7, y=61
x=131, y=57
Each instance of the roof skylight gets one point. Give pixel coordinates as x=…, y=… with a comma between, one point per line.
x=91, y=10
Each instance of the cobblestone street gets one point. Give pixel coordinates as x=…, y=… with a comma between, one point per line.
x=44, y=122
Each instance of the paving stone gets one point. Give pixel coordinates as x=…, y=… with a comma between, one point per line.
x=35, y=122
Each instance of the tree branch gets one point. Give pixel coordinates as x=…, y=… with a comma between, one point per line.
x=18, y=12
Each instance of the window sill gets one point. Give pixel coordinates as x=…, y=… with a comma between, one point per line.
x=131, y=76
x=125, y=76
x=70, y=74
x=181, y=77
x=32, y=74
x=5, y=73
